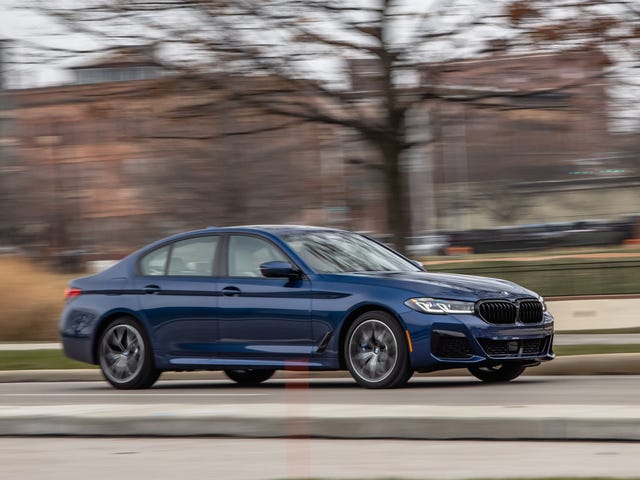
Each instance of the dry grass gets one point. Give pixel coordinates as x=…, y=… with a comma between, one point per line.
x=31, y=299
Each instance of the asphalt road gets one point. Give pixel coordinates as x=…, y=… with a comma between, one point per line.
x=430, y=408
x=421, y=390
x=270, y=459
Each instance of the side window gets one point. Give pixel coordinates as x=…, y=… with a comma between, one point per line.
x=246, y=254
x=193, y=257
x=155, y=263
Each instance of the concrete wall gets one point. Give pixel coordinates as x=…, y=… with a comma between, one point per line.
x=576, y=313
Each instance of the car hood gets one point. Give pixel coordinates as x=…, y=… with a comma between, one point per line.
x=448, y=285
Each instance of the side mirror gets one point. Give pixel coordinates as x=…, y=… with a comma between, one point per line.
x=278, y=269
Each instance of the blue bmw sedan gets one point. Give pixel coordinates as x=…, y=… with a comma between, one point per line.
x=253, y=300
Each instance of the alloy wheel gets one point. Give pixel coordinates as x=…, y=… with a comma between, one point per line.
x=122, y=353
x=373, y=350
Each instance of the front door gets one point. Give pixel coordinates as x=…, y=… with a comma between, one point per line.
x=259, y=317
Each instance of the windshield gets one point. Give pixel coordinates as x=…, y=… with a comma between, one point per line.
x=343, y=252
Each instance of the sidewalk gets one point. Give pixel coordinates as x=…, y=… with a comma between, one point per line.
x=21, y=347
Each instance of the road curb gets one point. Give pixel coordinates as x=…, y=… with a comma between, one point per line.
x=420, y=422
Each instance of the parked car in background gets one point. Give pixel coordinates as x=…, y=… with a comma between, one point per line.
x=544, y=236
x=253, y=300
x=595, y=232
x=427, y=245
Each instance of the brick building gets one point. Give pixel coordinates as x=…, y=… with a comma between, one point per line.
x=130, y=153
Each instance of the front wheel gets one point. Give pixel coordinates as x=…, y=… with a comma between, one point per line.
x=497, y=373
x=125, y=355
x=249, y=376
x=376, y=352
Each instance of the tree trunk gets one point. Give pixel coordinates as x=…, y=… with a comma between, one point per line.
x=396, y=195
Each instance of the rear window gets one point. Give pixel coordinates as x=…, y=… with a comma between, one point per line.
x=192, y=257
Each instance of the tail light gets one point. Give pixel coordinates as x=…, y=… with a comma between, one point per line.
x=71, y=292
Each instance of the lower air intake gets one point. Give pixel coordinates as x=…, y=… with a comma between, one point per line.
x=450, y=346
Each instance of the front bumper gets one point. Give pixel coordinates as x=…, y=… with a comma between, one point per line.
x=454, y=341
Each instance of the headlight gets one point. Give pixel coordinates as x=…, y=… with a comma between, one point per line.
x=440, y=307
x=544, y=305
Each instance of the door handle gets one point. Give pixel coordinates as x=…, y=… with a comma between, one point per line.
x=151, y=289
x=231, y=291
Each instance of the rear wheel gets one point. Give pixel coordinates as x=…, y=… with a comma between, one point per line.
x=249, y=376
x=504, y=372
x=376, y=352
x=125, y=355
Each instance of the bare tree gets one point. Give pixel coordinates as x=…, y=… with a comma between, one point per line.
x=353, y=64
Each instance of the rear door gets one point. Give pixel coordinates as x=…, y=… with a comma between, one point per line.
x=178, y=296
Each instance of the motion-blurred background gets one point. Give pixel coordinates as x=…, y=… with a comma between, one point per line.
x=440, y=127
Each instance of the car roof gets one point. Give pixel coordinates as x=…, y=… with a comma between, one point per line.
x=269, y=230
x=275, y=229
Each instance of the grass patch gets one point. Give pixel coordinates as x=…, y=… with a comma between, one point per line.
x=567, y=350
x=601, y=331
x=32, y=300
x=558, y=276
x=38, y=360
x=612, y=250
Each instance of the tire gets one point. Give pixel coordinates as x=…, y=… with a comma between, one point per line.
x=504, y=372
x=125, y=355
x=376, y=352
x=249, y=376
